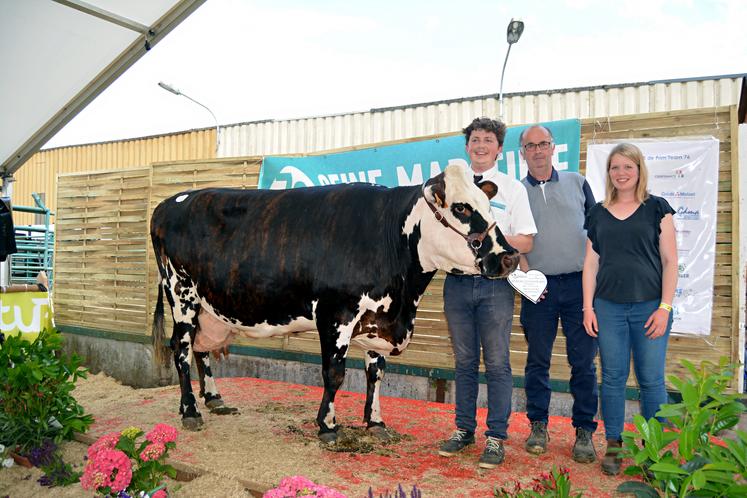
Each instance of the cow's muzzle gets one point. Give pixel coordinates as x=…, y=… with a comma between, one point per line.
x=499, y=265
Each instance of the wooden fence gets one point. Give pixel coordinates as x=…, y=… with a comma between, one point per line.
x=106, y=278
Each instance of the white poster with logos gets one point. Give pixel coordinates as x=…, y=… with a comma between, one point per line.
x=685, y=173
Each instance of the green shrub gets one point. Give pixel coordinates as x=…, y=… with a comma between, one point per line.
x=36, y=381
x=681, y=458
x=556, y=484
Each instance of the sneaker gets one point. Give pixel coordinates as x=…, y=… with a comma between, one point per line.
x=537, y=441
x=456, y=443
x=583, y=449
x=493, y=454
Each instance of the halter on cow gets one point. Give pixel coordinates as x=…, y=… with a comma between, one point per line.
x=351, y=261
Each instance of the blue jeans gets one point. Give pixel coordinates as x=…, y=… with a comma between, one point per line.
x=621, y=331
x=479, y=311
x=563, y=301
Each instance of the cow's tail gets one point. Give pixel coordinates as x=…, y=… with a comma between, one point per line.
x=160, y=352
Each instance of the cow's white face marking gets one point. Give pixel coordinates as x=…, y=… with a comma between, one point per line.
x=440, y=248
x=365, y=303
x=181, y=197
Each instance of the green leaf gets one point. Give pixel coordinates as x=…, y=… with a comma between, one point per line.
x=699, y=479
x=668, y=467
x=690, y=397
x=695, y=463
x=639, y=489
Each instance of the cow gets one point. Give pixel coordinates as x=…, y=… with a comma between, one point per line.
x=351, y=261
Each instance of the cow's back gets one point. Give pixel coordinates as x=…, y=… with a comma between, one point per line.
x=260, y=249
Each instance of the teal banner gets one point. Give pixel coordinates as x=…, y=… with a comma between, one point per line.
x=411, y=163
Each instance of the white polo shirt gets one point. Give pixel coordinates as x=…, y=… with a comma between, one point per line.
x=510, y=206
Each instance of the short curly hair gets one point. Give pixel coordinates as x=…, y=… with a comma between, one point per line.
x=486, y=124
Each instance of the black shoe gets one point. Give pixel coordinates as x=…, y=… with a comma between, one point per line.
x=537, y=441
x=583, y=449
x=493, y=454
x=612, y=461
x=456, y=443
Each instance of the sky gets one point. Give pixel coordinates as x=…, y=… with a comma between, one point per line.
x=250, y=60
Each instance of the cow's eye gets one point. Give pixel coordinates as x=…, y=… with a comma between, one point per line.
x=459, y=209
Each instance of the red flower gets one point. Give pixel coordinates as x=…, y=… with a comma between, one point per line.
x=153, y=452
x=162, y=433
x=107, y=442
x=107, y=468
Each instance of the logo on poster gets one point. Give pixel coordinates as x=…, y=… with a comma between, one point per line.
x=681, y=292
x=681, y=271
x=685, y=213
x=678, y=194
x=674, y=175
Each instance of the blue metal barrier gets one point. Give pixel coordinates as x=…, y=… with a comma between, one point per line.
x=35, y=245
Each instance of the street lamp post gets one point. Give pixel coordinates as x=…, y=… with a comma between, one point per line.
x=513, y=33
x=175, y=91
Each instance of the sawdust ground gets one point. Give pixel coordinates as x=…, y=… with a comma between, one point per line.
x=274, y=436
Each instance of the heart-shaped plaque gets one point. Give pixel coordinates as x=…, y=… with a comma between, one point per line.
x=531, y=284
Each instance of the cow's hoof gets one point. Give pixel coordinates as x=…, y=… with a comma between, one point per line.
x=379, y=432
x=192, y=423
x=214, y=403
x=328, y=437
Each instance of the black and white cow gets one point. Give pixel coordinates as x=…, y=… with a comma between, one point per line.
x=351, y=261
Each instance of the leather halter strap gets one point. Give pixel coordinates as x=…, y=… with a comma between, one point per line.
x=474, y=240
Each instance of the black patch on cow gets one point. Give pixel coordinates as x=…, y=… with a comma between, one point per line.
x=261, y=256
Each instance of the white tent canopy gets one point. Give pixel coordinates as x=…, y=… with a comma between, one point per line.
x=56, y=56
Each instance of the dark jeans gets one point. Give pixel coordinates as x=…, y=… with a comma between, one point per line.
x=540, y=323
x=479, y=311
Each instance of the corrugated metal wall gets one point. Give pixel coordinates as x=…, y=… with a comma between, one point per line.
x=39, y=174
x=378, y=125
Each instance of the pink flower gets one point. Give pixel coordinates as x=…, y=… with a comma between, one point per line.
x=299, y=486
x=153, y=452
x=107, y=442
x=107, y=467
x=162, y=433
x=161, y=493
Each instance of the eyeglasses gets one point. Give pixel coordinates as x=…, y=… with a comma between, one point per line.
x=541, y=146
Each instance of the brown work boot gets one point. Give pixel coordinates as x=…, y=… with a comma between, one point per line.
x=612, y=460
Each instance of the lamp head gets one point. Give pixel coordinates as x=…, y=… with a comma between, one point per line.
x=514, y=31
x=169, y=88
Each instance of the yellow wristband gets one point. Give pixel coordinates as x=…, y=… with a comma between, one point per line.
x=665, y=306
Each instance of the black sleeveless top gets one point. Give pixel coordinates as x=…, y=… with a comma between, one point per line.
x=630, y=268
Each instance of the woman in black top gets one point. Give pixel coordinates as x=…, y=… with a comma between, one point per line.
x=629, y=278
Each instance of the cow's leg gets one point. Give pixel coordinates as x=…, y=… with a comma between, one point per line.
x=375, y=365
x=181, y=342
x=333, y=374
x=208, y=388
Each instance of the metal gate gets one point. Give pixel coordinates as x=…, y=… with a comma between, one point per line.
x=35, y=245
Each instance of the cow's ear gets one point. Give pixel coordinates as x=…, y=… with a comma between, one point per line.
x=489, y=188
x=435, y=190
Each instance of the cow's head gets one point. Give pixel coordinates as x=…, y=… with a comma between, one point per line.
x=459, y=232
